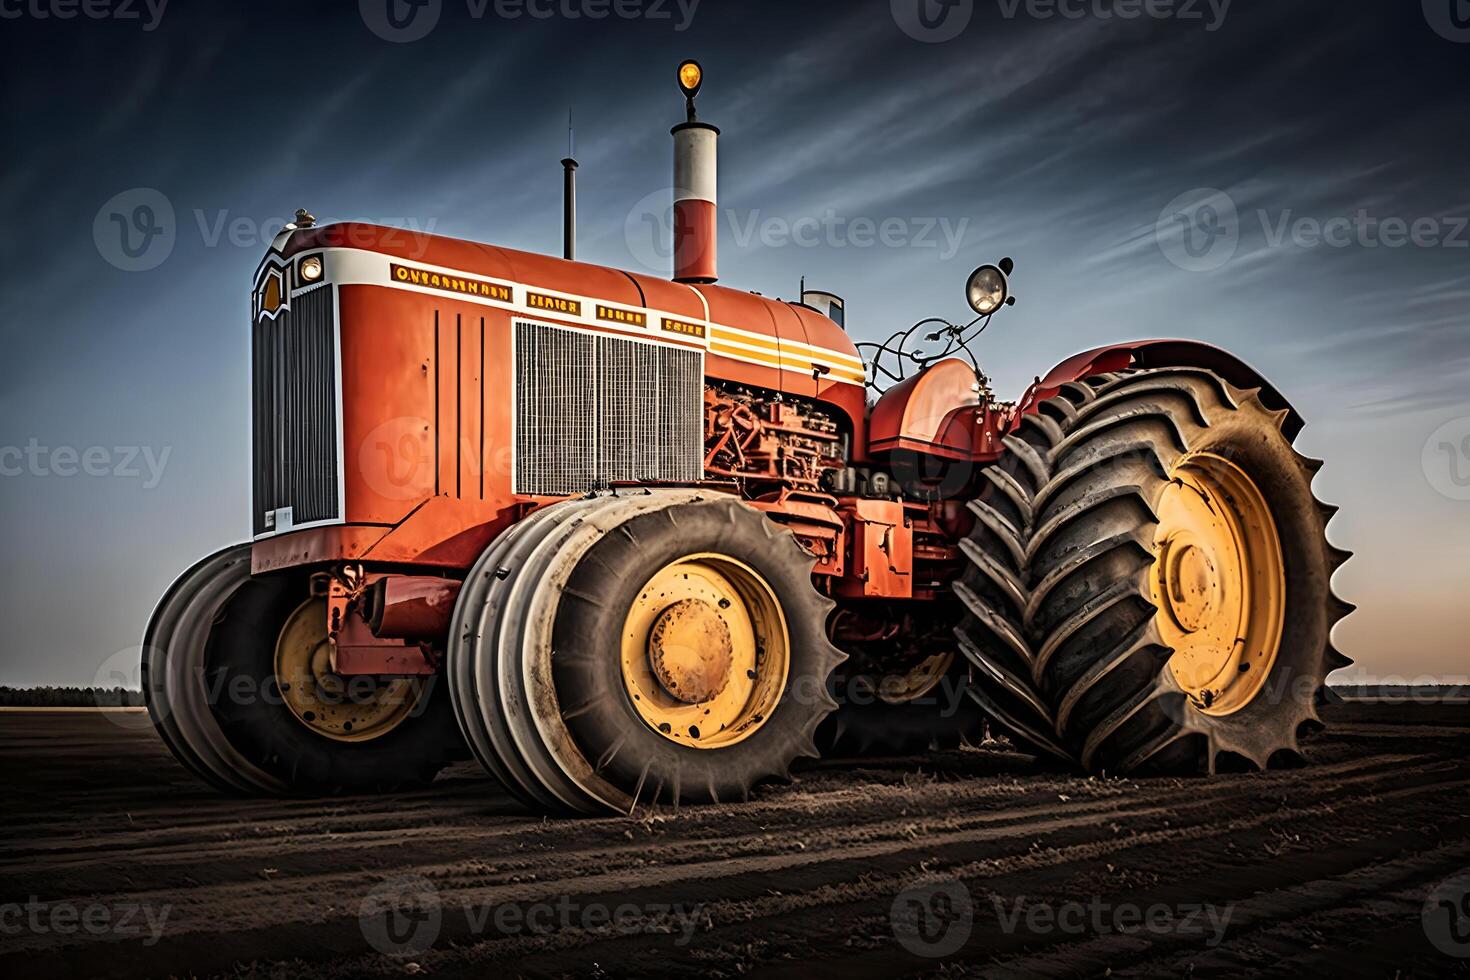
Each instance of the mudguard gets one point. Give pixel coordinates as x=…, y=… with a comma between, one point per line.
x=1155, y=354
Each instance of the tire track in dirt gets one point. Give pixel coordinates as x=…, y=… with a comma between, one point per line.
x=270, y=906
x=612, y=851
x=803, y=874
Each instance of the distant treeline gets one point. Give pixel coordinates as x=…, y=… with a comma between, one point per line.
x=69, y=697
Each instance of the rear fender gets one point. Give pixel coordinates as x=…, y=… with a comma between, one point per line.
x=1159, y=354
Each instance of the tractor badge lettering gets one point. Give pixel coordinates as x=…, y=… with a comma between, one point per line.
x=683, y=327
x=614, y=315
x=555, y=304
x=450, y=284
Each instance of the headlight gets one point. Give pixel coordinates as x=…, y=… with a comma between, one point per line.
x=987, y=290
x=311, y=268
x=691, y=76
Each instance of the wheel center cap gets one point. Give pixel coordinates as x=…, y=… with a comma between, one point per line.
x=1191, y=585
x=690, y=651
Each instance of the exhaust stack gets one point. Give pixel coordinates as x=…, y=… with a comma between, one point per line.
x=696, y=219
x=569, y=197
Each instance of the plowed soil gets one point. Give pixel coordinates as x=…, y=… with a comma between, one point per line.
x=1323, y=870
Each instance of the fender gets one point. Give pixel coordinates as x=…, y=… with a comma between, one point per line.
x=1157, y=354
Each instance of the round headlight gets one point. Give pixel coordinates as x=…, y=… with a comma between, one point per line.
x=987, y=290
x=691, y=76
x=311, y=269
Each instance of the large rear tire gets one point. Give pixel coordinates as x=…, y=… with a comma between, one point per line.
x=1149, y=582
x=641, y=647
x=210, y=656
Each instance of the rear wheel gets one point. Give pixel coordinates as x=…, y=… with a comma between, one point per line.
x=1149, y=586
x=641, y=647
x=236, y=673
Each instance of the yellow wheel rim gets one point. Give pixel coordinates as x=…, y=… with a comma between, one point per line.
x=705, y=651
x=1219, y=583
x=346, y=709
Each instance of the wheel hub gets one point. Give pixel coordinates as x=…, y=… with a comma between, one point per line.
x=1191, y=575
x=705, y=651
x=355, y=709
x=690, y=651
x=1219, y=583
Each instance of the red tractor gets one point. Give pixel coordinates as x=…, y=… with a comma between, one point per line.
x=629, y=540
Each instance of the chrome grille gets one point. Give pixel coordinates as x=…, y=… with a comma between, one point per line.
x=593, y=410
x=294, y=413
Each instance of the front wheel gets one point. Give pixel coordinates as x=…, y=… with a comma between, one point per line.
x=238, y=682
x=1149, y=586
x=641, y=647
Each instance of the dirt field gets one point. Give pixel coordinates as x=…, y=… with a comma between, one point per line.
x=114, y=861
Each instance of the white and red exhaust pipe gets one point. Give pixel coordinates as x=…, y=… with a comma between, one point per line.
x=696, y=168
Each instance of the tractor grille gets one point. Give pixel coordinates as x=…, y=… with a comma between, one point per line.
x=294, y=415
x=593, y=410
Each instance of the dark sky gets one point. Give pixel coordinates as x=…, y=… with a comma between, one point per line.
x=1064, y=134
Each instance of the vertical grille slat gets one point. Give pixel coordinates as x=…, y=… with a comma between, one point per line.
x=593, y=410
x=294, y=415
